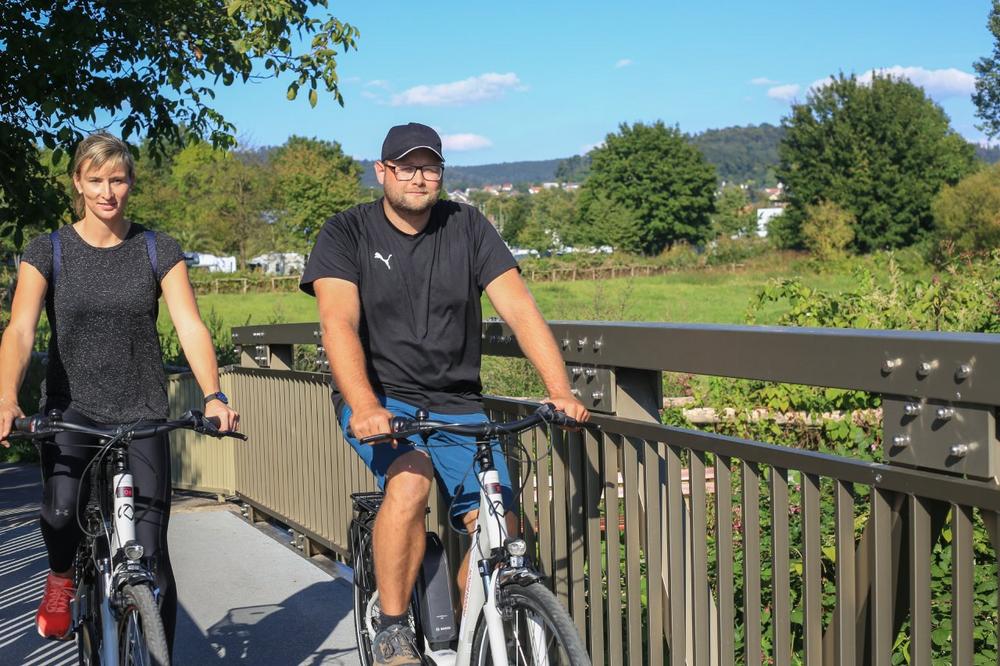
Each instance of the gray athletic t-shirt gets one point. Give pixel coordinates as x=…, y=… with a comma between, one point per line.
x=104, y=352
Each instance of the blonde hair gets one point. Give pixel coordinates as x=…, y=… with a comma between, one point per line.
x=96, y=150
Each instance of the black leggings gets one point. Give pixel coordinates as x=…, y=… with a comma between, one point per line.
x=63, y=473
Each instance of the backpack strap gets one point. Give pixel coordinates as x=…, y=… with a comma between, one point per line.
x=151, y=251
x=56, y=256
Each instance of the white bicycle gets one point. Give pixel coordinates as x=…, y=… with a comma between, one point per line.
x=510, y=617
x=116, y=617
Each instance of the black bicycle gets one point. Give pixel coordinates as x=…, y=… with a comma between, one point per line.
x=510, y=616
x=116, y=618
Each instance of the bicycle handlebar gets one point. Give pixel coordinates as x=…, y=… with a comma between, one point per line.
x=40, y=425
x=402, y=427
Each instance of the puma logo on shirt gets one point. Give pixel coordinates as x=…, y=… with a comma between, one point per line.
x=385, y=260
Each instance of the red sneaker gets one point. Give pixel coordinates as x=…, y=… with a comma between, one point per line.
x=54, y=618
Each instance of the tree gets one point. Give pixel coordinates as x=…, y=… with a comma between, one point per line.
x=549, y=221
x=968, y=214
x=652, y=171
x=987, y=95
x=223, y=202
x=880, y=151
x=607, y=222
x=150, y=65
x=733, y=214
x=314, y=180
x=827, y=231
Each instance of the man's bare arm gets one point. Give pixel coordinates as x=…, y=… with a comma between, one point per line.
x=340, y=318
x=514, y=303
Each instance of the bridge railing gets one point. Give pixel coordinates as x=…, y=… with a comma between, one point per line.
x=677, y=546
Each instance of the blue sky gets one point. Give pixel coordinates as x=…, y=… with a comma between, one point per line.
x=526, y=81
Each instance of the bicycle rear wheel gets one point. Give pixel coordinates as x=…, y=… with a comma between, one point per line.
x=364, y=590
x=141, y=639
x=86, y=612
x=537, y=630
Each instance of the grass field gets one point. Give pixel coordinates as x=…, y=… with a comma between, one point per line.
x=699, y=296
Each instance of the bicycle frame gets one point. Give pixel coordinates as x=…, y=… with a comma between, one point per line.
x=113, y=555
x=480, y=595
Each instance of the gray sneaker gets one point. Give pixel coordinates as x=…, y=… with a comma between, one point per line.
x=395, y=646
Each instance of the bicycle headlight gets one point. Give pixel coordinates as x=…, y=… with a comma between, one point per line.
x=516, y=547
x=133, y=550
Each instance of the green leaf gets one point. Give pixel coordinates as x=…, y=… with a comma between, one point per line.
x=293, y=91
x=313, y=98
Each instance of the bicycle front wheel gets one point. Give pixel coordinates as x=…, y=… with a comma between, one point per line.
x=537, y=630
x=141, y=639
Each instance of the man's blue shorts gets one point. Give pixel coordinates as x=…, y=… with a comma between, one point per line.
x=451, y=454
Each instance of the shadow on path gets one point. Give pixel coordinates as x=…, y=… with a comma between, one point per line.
x=23, y=567
x=297, y=630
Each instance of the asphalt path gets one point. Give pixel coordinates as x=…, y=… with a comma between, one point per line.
x=245, y=597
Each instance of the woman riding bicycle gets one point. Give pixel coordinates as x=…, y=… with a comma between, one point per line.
x=99, y=281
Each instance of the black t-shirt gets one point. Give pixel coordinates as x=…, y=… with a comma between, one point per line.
x=104, y=351
x=421, y=317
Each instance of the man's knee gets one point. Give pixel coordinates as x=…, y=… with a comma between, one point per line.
x=409, y=479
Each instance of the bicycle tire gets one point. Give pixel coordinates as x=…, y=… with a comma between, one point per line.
x=528, y=611
x=363, y=570
x=141, y=639
x=88, y=633
x=88, y=629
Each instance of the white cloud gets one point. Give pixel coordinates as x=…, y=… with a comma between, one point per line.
x=937, y=82
x=473, y=89
x=367, y=94
x=460, y=142
x=785, y=93
x=624, y=62
x=377, y=83
x=590, y=146
x=762, y=81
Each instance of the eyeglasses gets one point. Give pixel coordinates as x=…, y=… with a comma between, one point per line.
x=403, y=172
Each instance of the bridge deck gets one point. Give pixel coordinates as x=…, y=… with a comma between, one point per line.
x=244, y=597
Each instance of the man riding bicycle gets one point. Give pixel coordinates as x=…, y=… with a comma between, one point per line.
x=398, y=283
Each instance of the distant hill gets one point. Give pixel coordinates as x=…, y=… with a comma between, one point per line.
x=461, y=177
x=740, y=154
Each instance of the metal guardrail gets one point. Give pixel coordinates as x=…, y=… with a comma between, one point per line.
x=659, y=569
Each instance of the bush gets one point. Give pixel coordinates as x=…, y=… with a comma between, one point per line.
x=828, y=230
x=968, y=213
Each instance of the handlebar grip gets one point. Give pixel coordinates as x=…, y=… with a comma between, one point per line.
x=564, y=420
x=26, y=424
x=396, y=424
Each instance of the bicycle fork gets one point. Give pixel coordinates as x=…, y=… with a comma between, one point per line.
x=122, y=541
x=480, y=595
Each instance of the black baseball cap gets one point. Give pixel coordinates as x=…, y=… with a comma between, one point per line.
x=404, y=139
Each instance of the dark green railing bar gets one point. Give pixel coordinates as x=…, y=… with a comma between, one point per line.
x=881, y=578
x=812, y=588
x=724, y=557
x=676, y=557
x=652, y=459
x=780, y=584
x=919, y=546
x=844, y=611
x=962, y=595
x=699, y=560
x=751, y=562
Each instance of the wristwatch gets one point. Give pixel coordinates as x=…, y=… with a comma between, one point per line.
x=218, y=395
